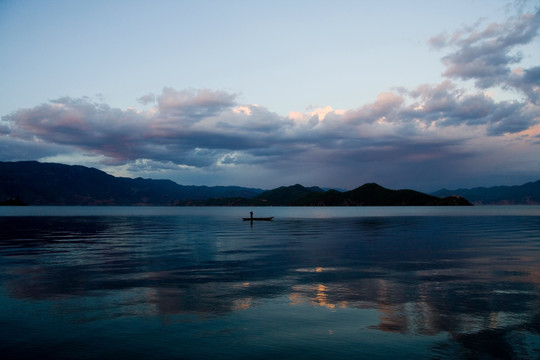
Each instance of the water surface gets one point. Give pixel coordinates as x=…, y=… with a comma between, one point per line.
x=315, y=283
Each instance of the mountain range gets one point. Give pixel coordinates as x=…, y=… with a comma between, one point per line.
x=528, y=194
x=35, y=183
x=365, y=195
x=38, y=183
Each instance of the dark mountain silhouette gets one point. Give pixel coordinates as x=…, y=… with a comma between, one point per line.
x=528, y=194
x=282, y=196
x=365, y=195
x=376, y=195
x=13, y=202
x=286, y=195
x=36, y=183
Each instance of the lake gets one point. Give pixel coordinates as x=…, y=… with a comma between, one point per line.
x=315, y=283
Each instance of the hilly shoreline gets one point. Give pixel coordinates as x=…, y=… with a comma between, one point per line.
x=35, y=183
x=526, y=194
x=366, y=195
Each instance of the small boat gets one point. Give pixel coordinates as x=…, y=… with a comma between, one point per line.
x=258, y=219
x=251, y=218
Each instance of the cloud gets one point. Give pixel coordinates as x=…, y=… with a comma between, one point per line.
x=399, y=131
x=486, y=55
x=193, y=104
x=385, y=107
x=314, y=117
x=527, y=81
x=147, y=99
x=407, y=136
x=14, y=149
x=444, y=105
x=79, y=123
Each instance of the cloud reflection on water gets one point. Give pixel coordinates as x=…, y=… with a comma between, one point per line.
x=468, y=277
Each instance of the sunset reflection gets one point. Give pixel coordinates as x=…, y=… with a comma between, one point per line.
x=317, y=295
x=242, y=304
x=321, y=298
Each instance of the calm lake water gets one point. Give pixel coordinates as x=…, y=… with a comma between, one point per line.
x=315, y=283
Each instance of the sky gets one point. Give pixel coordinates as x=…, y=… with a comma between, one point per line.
x=419, y=94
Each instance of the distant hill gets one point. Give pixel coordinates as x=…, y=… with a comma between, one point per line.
x=287, y=195
x=365, y=195
x=528, y=194
x=282, y=196
x=376, y=195
x=36, y=183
